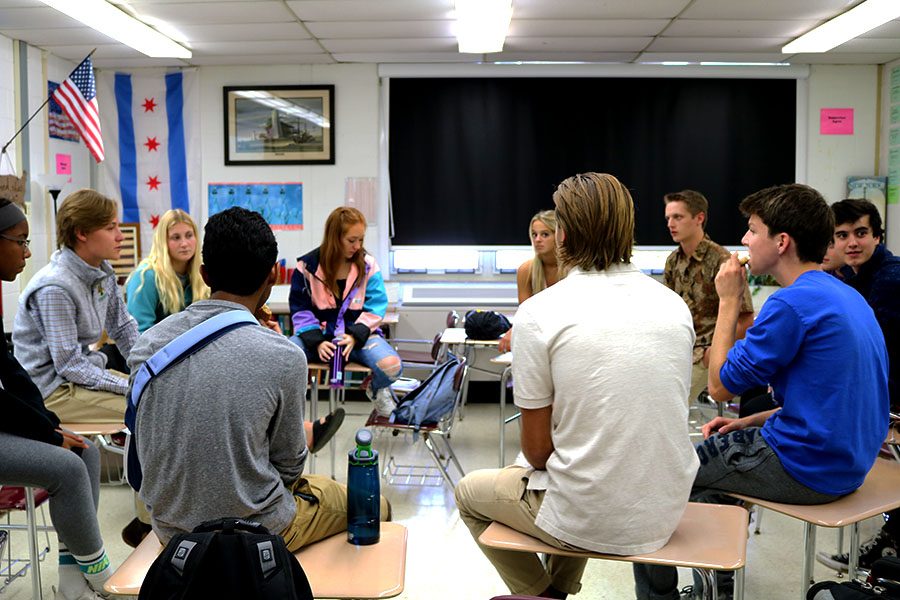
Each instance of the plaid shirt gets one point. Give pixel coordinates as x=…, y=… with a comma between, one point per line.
x=56, y=317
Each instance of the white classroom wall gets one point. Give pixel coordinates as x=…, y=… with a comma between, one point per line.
x=356, y=143
x=824, y=161
x=892, y=219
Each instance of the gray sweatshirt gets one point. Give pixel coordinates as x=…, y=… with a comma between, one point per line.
x=220, y=434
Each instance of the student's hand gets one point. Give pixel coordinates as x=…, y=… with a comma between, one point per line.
x=505, y=342
x=71, y=440
x=721, y=425
x=273, y=325
x=347, y=343
x=731, y=279
x=325, y=350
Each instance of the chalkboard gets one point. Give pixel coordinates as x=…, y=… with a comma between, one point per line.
x=471, y=159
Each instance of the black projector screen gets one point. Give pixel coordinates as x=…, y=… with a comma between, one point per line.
x=471, y=160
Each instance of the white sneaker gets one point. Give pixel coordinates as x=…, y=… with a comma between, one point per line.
x=87, y=594
x=383, y=401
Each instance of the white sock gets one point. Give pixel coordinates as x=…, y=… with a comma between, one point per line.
x=95, y=569
x=71, y=582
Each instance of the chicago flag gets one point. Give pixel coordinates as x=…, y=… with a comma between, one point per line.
x=151, y=127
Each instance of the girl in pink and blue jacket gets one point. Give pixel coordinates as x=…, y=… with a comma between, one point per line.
x=337, y=302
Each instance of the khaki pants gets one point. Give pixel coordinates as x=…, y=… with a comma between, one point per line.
x=75, y=404
x=328, y=516
x=699, y=380
x=500, y=495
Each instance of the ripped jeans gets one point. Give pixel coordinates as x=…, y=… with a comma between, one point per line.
x=374, y=351
x=741, y=462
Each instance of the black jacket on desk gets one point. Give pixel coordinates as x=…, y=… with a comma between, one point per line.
x=21, y=403
x=878, y=280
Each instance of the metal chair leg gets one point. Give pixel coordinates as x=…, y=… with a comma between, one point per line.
x=429, y=443
x=739, y=584
x=809, y=551
x=710, y=585
x=31, y=514
x=854, y=552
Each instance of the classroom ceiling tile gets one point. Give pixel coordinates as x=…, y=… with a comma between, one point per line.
x=130, y=63
x=210, y=13
x=372, y=10
x=771, y=9
x=738, y=28
x=586, y=27
x=286, y=47
x=576, y=44
x=392, y=45
x=381, y=29
x=62, y=36
x=700, y=44
x=891, y=29
x=597, y=9
x=870, y=45
x=262, y=59
x=244, y=32
x=27, y=18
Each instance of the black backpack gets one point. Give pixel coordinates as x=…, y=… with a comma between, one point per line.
x=882, y=584
x=486, y=324
x=226, y=558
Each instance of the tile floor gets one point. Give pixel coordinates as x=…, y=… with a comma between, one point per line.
x=443, y=561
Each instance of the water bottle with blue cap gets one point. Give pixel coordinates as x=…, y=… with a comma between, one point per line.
x=363, y=492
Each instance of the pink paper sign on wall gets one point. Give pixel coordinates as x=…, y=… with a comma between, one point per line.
x=63, y=164
x=836, y=121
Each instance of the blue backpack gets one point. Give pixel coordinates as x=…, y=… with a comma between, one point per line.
x=433, y=400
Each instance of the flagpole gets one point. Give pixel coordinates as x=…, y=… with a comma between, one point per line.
x=40, y=108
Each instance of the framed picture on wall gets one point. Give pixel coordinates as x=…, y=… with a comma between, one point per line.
x=130, y=254
x=279, y=125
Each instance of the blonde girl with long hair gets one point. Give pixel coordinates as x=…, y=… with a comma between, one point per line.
x=541, y=271
x=168, y=280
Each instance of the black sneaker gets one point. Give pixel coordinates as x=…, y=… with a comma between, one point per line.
x=880, y=546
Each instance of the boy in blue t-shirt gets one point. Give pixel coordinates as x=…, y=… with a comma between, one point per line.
x=817, y=343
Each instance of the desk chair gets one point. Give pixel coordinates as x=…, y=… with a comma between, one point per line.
x=100, y=434
x=334, y=567
x=27, y=499
x=709, y=537
x=397, y=474
x=424, y=359
x=879, y=493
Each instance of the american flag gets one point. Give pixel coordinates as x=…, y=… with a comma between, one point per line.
x=77, y=96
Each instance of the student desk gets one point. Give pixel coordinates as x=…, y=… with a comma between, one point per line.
x=504, y=359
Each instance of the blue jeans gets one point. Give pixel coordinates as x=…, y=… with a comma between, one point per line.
x=740, y=462
x=372, y=352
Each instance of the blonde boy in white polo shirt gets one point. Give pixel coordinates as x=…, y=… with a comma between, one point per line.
x=602, y=366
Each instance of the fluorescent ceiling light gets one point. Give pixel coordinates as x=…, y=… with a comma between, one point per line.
x=482, y=25
x=855, y=22
x=120, y=26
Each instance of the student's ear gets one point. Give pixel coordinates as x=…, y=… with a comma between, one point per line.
x=784, y=242
x=702, y=218
x=273, y=275
x=80, y=235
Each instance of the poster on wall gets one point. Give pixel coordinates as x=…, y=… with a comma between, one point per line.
x=280, y=204
x=893, y=190
x=58, y=123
